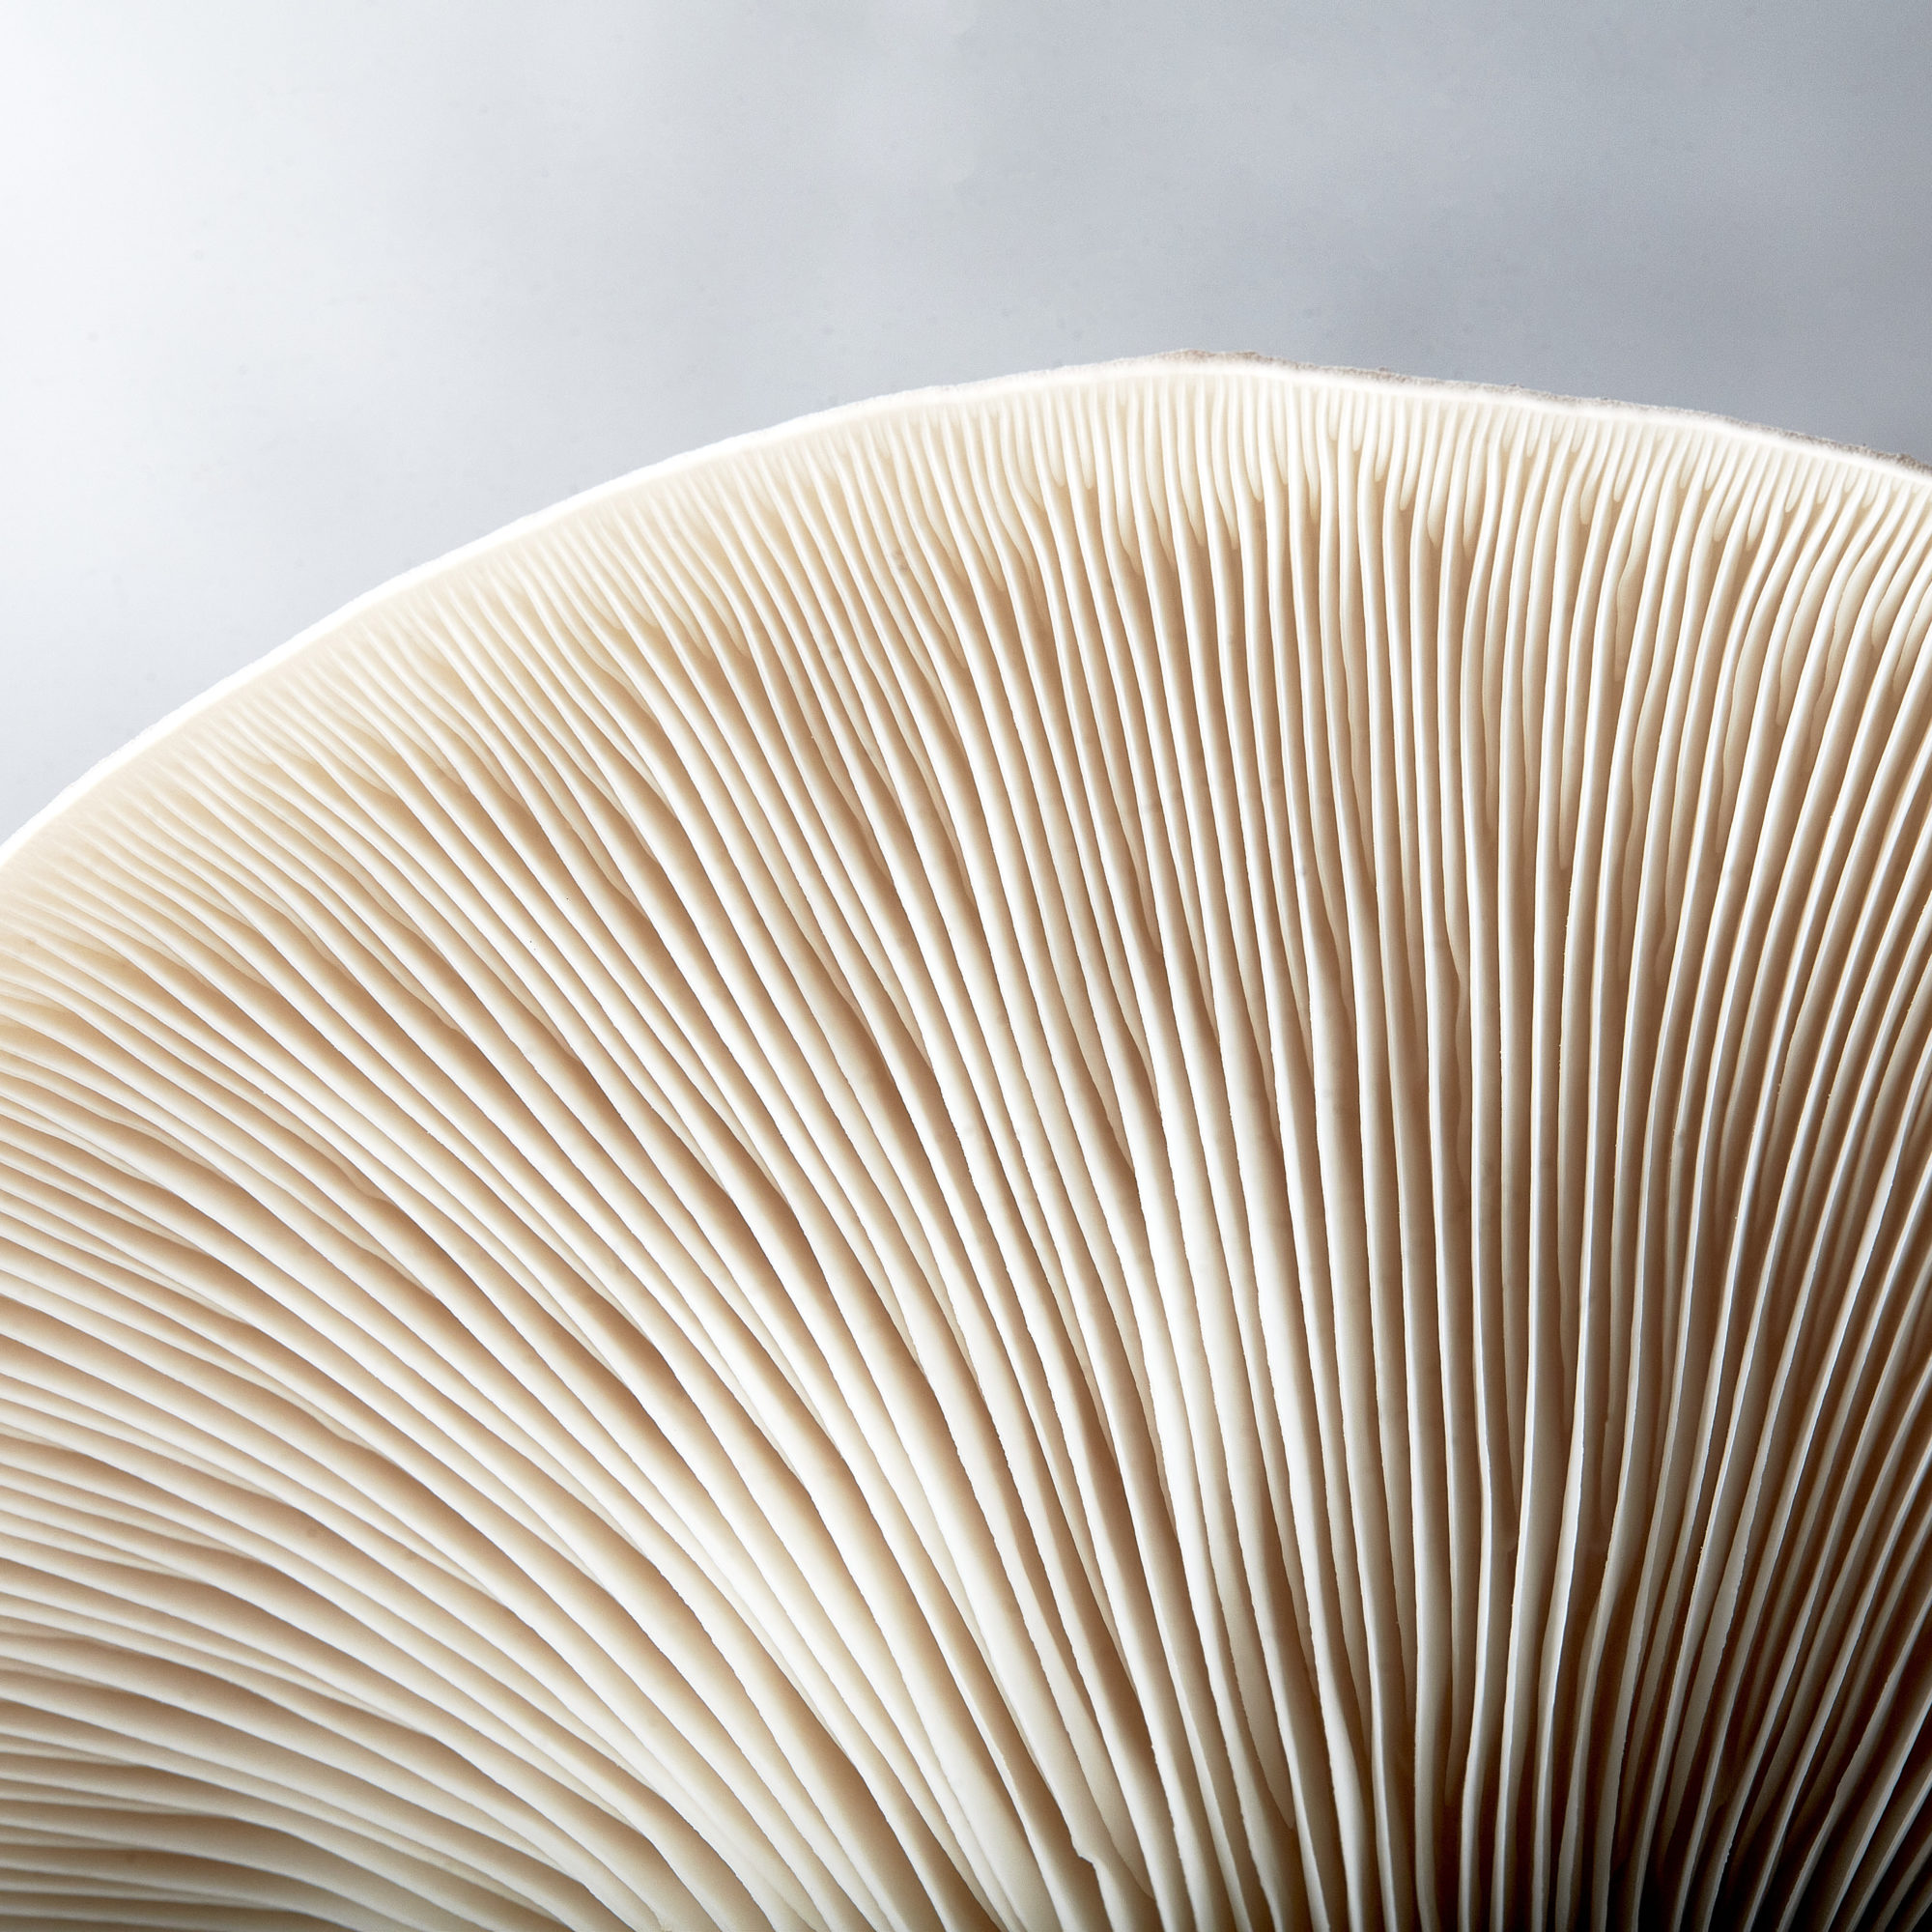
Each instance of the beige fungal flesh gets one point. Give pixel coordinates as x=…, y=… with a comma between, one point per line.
x=1140, y=1149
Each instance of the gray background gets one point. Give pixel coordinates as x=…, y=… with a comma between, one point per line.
x=296, y=295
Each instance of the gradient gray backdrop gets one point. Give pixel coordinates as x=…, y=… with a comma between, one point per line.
x=296, y=296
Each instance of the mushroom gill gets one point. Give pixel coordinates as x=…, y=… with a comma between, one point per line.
x=1146, y=1148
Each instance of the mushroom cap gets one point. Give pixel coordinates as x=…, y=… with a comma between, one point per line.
x=1146, y=1147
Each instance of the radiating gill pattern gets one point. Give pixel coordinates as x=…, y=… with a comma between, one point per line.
x=1139, y=1149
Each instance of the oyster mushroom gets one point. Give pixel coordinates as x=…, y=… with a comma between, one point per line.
x=1145, y=1147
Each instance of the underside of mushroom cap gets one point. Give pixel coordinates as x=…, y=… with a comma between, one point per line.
x=1143, y=1147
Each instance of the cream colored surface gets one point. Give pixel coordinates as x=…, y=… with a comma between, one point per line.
x=1147, y=1147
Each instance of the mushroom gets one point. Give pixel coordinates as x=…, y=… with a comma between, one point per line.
x=1142, y=1147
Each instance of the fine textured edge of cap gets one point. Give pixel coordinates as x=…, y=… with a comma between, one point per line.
x=1071, y=375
